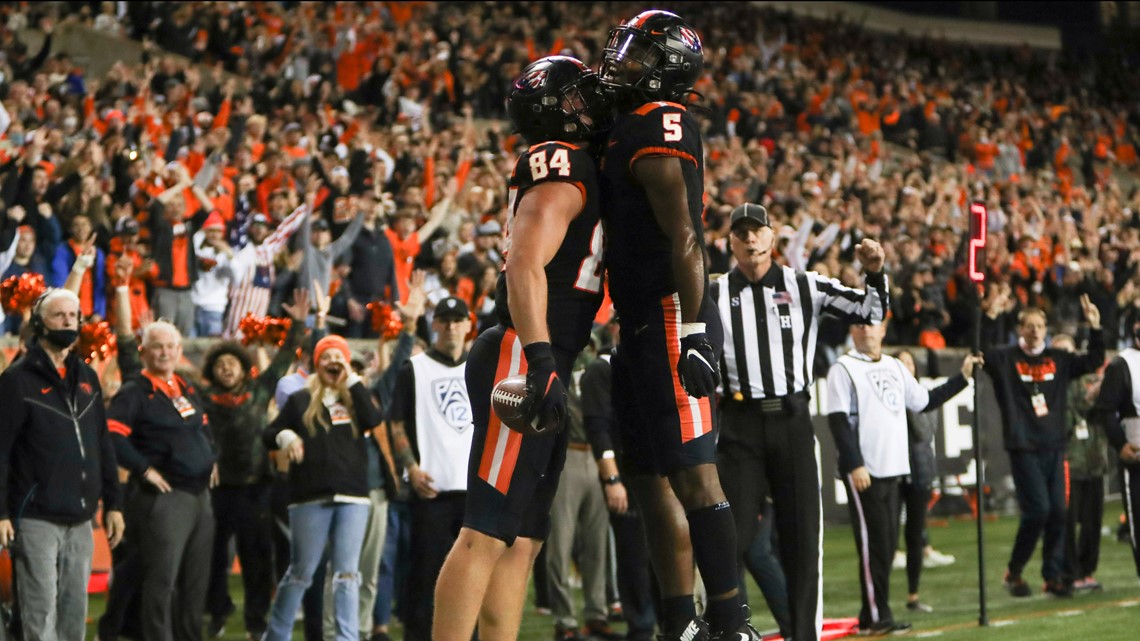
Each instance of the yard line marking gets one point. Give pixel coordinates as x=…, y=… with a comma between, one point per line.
x=926, y=635
x=1070, y=613
x=1001, y=623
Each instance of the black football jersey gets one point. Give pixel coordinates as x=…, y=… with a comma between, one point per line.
x=638, y=253
x=574, y=276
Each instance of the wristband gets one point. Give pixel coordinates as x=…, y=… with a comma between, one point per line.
x=122, y=289
x=612, y=480
x=608, y=454
x=688, y=329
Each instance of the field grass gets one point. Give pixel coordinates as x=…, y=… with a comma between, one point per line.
x=1111, y=615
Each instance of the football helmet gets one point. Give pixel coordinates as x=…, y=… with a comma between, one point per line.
x=655, y=53
x=558, y=98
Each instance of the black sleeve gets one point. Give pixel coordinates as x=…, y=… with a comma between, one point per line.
x=61, y=187
x=288, y=419
x=367, y=413
x=1115, y=393
x=1093, y=359
x=11, y=423
x=404, y=404
x=112, y=491
x=846, y=442
x=121, y=416
x=946, y=391
x=597, y=407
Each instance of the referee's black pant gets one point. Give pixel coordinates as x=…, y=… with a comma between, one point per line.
x=874, y=518
x=762, y=452
x=1131, y=478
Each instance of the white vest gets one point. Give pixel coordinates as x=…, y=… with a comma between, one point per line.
x=1131, y=357
x=883, y=390
x=443, y=422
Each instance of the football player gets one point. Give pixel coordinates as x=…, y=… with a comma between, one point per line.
x=653, y=185
x=547, y=295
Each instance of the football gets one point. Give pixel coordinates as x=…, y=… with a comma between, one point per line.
x=507, y=403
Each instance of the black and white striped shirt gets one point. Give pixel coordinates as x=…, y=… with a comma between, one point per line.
x=770, y=326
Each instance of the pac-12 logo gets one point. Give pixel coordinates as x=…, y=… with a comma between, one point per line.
x=536, y=79
x=450, y=396
x=888, y=387
x=690, y=38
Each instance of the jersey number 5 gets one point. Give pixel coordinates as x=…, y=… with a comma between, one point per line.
x=559, y=161
x=672, y=124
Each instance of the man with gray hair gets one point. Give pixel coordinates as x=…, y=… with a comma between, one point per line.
x=162, y=437
x=56, y=463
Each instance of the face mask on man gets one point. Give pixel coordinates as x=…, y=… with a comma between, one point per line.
x=61, y=338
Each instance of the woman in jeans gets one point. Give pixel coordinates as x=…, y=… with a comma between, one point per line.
x=321, y=430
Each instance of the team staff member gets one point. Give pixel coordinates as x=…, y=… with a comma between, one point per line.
x=869, y=394
x=1031, y=383
x=431, y=430
x=547, y=296
x=56, y=463
x=162, y=436
x=1118, y=409
x=653, y=173
x=771, y=317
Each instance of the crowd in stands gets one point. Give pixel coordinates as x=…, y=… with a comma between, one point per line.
x=397, y=108
x=193, y=165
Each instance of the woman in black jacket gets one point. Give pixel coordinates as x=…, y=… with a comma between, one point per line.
x=322, y=431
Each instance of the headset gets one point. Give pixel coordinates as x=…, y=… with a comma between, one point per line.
x=36, y=320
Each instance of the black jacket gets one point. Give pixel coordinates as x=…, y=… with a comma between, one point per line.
x=336, y=459
x=1018, y=376
x=56, y=457
x=149, y=432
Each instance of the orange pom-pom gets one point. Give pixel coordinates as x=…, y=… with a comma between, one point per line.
x=19, y=293
x=386, y=321
x=96, y=340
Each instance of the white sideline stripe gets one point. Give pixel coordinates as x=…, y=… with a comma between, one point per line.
x=865, y=547
x=1004, y=622
x=504, y=433
x=927, y=635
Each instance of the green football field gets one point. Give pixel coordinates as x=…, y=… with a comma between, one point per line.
x=1111, y=615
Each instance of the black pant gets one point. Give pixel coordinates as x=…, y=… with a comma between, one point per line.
x=1131, y=479
x=634, y=577
x=175, y=542
x=1082, y=527
x=763, y=563
x=874, y=520
x=435, y=526
x=915, y=498
x=121, y=615
x=1039, y=479
x=761, y=453
x=242, y=512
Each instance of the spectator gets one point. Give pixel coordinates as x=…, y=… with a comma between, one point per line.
x=215, y=275
x=50, y=399
x=92, y=292
x=1031, y=382
x=24, y=260
x=321, y=429
x=237, y=400
x=133, y=269
x=373, y=276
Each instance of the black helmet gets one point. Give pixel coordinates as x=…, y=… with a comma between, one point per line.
x=655, y=53
x=557, y=98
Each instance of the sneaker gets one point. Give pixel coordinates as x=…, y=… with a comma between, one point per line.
x=600, y=631
x=542, y=611
x=1058, y=588
x=697, y=630
x=562, y=633
x=884, y=629
x=1016, y=586
x=745, y=633
x=616, y=612
x=936, y=559
x=918, y=606
x=899, y=563
x=1087, y=584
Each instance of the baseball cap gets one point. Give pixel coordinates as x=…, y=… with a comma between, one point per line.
x=128, y=226
x=451, y=307
x=320, y=224
x=259, y=219
x=489, y=228
x=752, y=212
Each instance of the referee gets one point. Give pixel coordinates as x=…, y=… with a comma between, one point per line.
x=771, y=318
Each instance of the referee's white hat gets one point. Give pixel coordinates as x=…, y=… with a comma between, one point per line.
x=750, y=211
